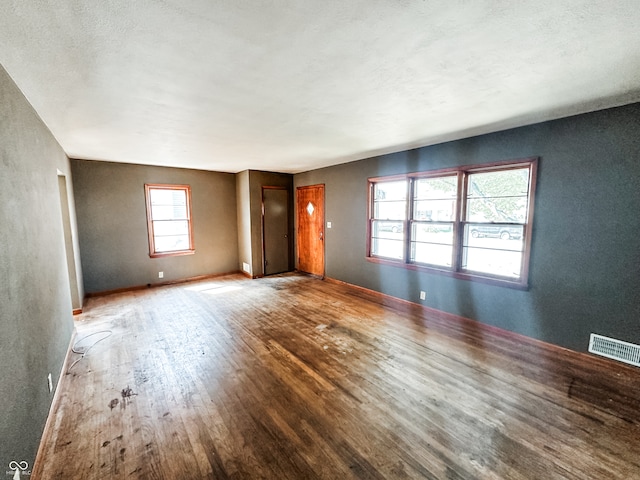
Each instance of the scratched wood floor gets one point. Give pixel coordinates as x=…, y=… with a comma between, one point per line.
x=290, y=377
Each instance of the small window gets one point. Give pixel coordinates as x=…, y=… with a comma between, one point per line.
x=169, y=220
x=471, y=222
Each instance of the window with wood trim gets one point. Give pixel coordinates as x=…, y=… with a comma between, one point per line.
x=472, y=222
x=169, y=219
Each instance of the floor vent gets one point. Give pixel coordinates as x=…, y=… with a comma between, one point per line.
x=616, y=349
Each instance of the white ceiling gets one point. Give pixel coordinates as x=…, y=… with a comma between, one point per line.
x=293, y=85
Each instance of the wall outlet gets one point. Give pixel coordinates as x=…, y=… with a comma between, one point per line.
x=50, y=382
x=160, y=274
x=328, y=224
x=423, y=295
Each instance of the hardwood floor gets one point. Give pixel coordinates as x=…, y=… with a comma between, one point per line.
x=290, y=377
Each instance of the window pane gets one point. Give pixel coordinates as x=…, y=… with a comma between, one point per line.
x=499, y=196
x=433, y=233
x=168, y=212
x=432, y=254
x=478, y=231
x=432, y=243
x=172, y=243
x=396, y=190
x=387, y=229
x=493, y=249
x=436, y=188
x=393, y=210
x=390, y=200
x=497, y=210
x=493, y=262
x=384, y=247
x=434, y=199
x=170, y=227
x=501, y=183
x=434, y=210
x=167, y=197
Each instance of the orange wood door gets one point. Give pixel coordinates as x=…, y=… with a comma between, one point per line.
x=310, y=208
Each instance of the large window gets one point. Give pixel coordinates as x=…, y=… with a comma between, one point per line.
x=472, y=222
x=169, y=220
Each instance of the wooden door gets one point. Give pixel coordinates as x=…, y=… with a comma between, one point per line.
x=275, y=230
x=310, y=208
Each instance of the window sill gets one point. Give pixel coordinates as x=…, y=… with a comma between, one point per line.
x=172, y=254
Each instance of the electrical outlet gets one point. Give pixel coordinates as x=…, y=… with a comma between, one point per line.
x=50, y=381
x=328, y=224
x=160, y=274
x=423, y=295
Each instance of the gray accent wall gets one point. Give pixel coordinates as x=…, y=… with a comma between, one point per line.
x=585, y=261
x=112, y=224
x=35, y=296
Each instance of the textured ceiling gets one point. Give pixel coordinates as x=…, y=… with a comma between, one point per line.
x=294, y=85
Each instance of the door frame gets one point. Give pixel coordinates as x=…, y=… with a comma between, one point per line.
x=68, y=240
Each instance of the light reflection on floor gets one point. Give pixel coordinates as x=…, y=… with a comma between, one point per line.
x=213, y=288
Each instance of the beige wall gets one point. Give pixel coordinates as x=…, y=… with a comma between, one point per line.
x=112, y=224
x=243, y=202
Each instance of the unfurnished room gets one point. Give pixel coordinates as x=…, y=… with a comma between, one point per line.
x=299, y=240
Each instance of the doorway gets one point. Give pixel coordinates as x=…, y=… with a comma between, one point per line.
x=310, y=214
x=275, y=230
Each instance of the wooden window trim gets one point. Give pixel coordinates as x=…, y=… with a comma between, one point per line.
x=152, y=249
x=458, y=229
x=405, y=222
